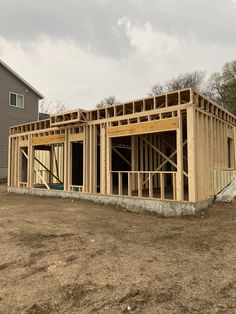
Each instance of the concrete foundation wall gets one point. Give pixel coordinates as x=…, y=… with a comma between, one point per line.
x=164, y=208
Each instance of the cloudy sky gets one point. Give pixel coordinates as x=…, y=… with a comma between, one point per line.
x=80, y=51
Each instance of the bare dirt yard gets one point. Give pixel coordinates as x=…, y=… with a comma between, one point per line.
x=71, y=256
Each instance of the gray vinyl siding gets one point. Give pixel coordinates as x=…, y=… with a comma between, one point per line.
x=10, y=116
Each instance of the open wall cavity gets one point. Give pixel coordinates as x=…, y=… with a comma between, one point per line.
x=77, y=165
x=146, y=165
x=48, y=165
x=23, y=166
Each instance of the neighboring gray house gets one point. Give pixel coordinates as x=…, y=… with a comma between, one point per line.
x=18, y=104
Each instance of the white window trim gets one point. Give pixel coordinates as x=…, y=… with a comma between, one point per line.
x=11, y=93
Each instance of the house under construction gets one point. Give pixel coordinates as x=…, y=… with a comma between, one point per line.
x=172, y=152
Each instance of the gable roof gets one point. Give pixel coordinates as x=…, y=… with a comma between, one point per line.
x=21, y=79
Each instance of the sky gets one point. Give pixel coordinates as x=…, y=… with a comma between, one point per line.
x=78, y=52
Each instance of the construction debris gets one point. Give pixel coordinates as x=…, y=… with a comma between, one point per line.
x=228, y=194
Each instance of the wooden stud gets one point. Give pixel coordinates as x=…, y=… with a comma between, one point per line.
x=162, y=185
x=179, y=176
x=150, y=181
x=120, y=186
x=109, y=164
x=140, y=185
x=191, y=135
x=102, y=159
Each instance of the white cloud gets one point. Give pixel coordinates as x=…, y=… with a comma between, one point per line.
x=145, y=39
x=64, y=70
x=61, y=70
x=169, y=55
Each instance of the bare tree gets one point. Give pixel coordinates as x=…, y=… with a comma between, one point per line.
x=108, y=101
x=222, y=86
x=49, y=107
x=157, y=89
x=194, y=79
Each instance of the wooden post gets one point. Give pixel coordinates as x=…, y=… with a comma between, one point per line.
x=174, y=185
x=146, y=161
x=30, y=164
x=66, y=160
x=9, y=175
x=17, y=156
x=201, y=155
x=179, y=145
x=94, y=160
x=69, y=169
x=155, y=161
x=14, y=162
x=51, y=164
x=140, y=184
x=141, y=154
x=150, y=185
x=191, y=134
x=86, y=160
x=120, y=187
x=130, y=182
x=211, y=157
x=134, y=158
x=151, y=153
x=109, y=164
x=102, y=159
x=90, y=161
x=20, y=165
x=162, y=185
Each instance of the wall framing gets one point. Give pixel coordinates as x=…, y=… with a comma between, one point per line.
x=176, y=146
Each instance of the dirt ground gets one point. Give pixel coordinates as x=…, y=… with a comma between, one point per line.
x=72, y=256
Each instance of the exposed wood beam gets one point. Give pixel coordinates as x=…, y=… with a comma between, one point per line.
x=50, y=139
x=41, y=177
x=163, y=155
x=48, y=170
x=172, y=147
x=24, y=153
x=162, y=125
x=165, y=161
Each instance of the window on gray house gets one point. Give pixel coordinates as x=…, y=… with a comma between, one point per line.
x=16, y=100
